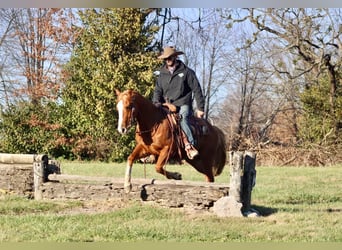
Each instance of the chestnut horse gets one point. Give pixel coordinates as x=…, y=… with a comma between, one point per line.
x=155, y=137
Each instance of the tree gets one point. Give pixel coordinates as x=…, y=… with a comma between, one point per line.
x=112, y=51
x=201, y=34
x=313, y=38
x=317, y=126
x=253, y=101
x=34, y=49
x=34, y=129
x=7, y=17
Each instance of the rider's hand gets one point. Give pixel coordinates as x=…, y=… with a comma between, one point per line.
x=200, y=114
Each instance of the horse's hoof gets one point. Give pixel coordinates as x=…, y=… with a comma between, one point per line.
x=177, y=176
x=128, y=188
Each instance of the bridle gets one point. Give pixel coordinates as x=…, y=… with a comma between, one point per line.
x=132, y=117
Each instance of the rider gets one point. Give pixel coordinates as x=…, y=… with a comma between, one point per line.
x=175, y=84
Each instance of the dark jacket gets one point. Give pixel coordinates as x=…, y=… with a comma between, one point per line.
x=178, y=87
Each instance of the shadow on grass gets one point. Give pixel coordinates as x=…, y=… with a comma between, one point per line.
x=264, y=211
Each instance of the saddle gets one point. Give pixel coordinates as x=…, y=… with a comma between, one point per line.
x=198, y=126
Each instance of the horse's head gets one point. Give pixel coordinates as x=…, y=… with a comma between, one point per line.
x=125, y=107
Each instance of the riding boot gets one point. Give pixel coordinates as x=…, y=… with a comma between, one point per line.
x=190, y=150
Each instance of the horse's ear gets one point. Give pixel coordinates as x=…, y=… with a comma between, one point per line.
x=117, y=92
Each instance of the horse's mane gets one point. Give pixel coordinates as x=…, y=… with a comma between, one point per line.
x=142, y=100
x=145, y=106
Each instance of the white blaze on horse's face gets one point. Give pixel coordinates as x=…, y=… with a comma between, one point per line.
x=120, y=108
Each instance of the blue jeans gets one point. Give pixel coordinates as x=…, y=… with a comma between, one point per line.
x=185, y=112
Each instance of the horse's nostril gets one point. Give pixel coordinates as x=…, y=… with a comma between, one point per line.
x=122, y=130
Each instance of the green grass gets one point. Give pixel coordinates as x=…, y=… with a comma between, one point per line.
x=298, y=204
x=139, y=170
x=14, y=205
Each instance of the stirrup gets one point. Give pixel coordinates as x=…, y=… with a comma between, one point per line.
x=191, y=151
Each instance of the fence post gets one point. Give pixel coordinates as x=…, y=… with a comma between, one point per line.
x=236, y=174
x=242, y=177
x=39, y=174
x=248, y=182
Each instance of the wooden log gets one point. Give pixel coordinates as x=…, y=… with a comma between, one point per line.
x=22, y=158
x=139, y=181
x=198, y=195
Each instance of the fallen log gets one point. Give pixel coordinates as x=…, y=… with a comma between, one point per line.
x=22, y=158
x=198, y=195
x=140, y=181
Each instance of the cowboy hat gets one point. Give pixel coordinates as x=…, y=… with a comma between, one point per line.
x=170, y=51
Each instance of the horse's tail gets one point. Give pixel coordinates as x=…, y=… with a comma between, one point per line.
x=221, y=154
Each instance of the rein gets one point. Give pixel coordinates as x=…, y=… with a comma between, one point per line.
x=144, y=131
x=171, y=124
x=171, y=121
x=132, y=118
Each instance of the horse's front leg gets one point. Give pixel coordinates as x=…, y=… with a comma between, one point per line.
x=137, y=153
x=161, y=162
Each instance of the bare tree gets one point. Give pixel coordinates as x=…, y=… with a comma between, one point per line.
x=224, y=64
x=7, y=17
x=202, y=35
x=36, y=47
x=311, y=36
x=258, y=95
x=251, y=102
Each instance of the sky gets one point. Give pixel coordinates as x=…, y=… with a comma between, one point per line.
x=174, y=3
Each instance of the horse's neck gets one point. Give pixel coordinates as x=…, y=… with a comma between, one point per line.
x=148, y=115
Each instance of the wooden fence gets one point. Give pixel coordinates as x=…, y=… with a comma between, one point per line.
x=40, y=178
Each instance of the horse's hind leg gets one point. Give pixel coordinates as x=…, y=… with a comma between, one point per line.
x=209, y=177
x=203, y=167
x=207, y=170
x=169, y=175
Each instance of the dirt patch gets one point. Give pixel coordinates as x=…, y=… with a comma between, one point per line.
x=112, y=205
x=96, y=207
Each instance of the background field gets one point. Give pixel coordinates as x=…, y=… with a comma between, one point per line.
x=299, y=204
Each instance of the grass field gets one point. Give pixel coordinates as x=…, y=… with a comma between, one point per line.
x=299, y=204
